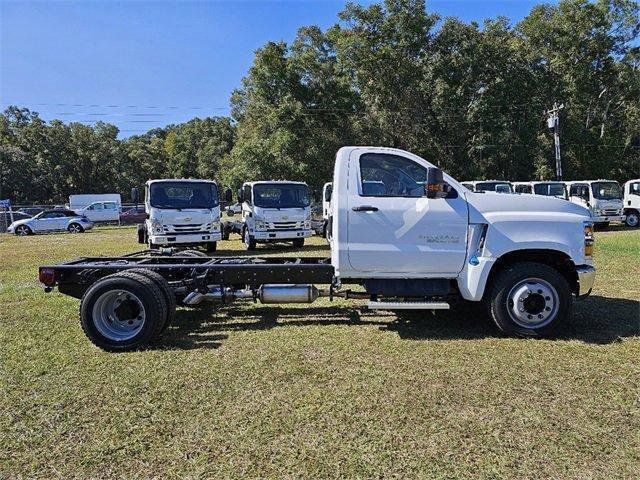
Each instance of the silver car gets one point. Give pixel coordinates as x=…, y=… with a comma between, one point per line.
x=51, y=221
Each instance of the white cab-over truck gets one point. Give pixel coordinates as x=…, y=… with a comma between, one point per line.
x=404, y=235
x=180, y=213
x=489, y=186
x=603, y=199
x=274, y=211
x=631, y=202
x=546, y=188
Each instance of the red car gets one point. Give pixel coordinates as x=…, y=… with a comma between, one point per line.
x=133, y=215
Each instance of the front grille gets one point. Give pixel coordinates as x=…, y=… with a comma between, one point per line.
x=284, y=225
x=610, y=212
x=186, y=228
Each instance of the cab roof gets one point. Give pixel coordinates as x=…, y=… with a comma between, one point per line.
x=186, y=180
x=279, y=182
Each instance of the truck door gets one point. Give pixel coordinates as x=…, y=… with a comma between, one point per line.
x=393, y=227
x=579, y=193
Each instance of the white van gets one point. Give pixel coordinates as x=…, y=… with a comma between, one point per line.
x=603, y=198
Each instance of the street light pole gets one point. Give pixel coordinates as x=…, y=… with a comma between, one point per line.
x=553, y=122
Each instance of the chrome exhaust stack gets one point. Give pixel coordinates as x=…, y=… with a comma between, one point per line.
x=267, y=294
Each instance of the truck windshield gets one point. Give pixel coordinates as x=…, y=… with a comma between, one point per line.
x=499, y=187
x=551, y=189
x=606, y=190
x=179, y=195
x=275, y=195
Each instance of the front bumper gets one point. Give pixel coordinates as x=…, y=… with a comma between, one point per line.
x=612, y=218
x=586, y=279
x=281, y=234
x=182, y=238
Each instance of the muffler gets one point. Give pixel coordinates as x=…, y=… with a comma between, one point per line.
x=268, y=294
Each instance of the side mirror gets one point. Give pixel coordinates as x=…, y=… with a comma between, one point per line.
x=327, y=195
x=434, y=187
x=240, y=199
x=228, y=195
x=135, y=195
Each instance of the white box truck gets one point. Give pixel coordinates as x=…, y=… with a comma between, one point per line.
x=98, y=207
x=417, y=240
x=547, y=188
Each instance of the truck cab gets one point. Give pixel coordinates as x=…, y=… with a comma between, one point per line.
x=603, y=199
x=275, y=211
x=546, y=188
x=181, y=213
x=631, y=202
x=489, y=186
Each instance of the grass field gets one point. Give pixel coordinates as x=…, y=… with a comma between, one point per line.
x=322, y=391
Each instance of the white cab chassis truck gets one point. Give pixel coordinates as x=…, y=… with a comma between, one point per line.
x=180, y=213
x=489, y=186
x=603, y=199
x=406, y=234
x=274, y=211
x=631, y=202
x=546, y=188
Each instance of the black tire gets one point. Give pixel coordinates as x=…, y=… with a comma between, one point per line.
x=75, y=228
x=298, y=242
x=602, y=225
x=144, y=290
x=633, y=218
x=23, y=231
x=153, y=246
x=547, y=303
x=248, y=240
x=163, y=285
x=191, y=253
x=142, y=234
x=211, y=247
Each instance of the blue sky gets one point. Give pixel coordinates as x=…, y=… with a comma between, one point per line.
x=140, y=64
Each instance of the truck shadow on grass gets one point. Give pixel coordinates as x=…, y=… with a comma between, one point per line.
x=598, y=320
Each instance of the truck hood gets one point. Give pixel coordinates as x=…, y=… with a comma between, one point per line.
x=282, y=215
x=514, y=206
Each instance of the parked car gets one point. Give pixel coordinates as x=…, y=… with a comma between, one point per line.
x=133, y=215
x=100, y=211
x=51, y=221
x=16, y=216
x=31, y=211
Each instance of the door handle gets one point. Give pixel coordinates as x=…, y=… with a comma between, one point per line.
x=365, y=208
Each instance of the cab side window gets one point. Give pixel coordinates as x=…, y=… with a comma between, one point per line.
x=385, y=175
x=523, y=188
x=581, y=191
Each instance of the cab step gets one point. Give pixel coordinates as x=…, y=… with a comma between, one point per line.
x=408, y=305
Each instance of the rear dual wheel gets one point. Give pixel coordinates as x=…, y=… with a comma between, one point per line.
x=127, y=310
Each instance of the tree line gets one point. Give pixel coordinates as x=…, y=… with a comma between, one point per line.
x=471, y=98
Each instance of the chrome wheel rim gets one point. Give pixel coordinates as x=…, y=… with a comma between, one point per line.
x=22, y=230
x=118, y=315
x=74, y=228
x=632, y=219
x=533, y=303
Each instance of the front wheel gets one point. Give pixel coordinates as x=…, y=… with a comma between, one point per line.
x=22, y=230
x=75, y=228
x=298, y=243
x=632, y=219
x=529, y=299
x=249, y=241
x=211, y=247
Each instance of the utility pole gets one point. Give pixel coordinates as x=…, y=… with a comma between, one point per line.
x=553, y=122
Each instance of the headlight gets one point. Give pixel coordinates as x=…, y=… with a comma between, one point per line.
x=215, y=227
x=307, y=224
x=261, y=225
x=156, y=227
